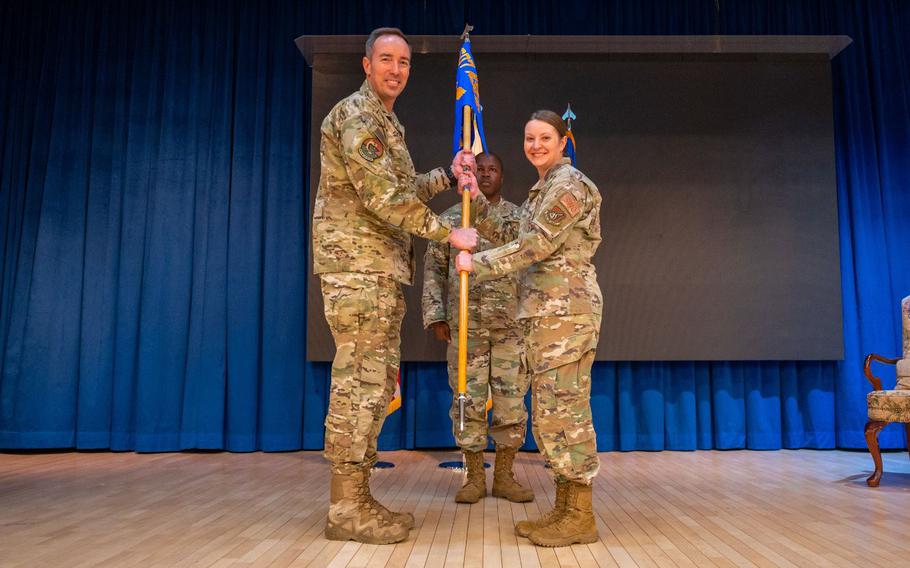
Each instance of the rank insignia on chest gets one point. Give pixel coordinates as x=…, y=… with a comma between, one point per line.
x=371, y=149
x=554, y=215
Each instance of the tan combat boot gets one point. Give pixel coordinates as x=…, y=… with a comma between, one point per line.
x=524, y=528
x=475, y=486
x=504, y=483
x=575, y=526
x=352, y=516
x=407, y=519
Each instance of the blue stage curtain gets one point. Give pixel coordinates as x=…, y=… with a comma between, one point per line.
x=154, y=223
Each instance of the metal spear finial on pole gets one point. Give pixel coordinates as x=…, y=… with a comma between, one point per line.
x=568, y=116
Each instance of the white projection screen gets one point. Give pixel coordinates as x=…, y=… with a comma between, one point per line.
x=714, y=157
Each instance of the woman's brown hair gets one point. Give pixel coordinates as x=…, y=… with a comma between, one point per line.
x=552, y=119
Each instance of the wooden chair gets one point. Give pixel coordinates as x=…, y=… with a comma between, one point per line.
x=887, y=406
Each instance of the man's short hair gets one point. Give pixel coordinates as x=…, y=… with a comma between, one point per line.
x=378, y=33
x=491, y=155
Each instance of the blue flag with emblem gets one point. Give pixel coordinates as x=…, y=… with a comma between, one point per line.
x=467, y=93
x=569, y=116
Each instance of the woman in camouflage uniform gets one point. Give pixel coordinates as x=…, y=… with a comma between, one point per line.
x=560, y=304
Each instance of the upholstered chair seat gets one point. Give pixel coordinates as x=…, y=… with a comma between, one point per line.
x=886, y=406
x=889, y=405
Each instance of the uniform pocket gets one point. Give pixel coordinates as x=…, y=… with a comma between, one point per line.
x=556, y=341
x=350, y=301
x=579, y=382
x=386, y=306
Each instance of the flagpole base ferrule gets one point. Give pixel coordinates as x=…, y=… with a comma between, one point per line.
x=461, y=403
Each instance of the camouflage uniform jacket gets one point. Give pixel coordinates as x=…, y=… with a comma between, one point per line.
x=491, y=304
x=369, y=197
x=552, y=245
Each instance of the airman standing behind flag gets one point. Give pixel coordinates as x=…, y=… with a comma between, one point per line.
x=495, y=345
x=368, y=203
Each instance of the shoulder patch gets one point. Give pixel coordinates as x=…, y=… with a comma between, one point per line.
x=570, y=203
x=555, y=215
x=371, y=149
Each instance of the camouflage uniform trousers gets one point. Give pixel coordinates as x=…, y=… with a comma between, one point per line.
x=364, y=313
x=495, y=365
x=560, y=353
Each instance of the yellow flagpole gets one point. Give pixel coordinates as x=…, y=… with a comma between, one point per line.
x=466, y=128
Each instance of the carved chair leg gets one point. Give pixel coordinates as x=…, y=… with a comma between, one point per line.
x=873, y=427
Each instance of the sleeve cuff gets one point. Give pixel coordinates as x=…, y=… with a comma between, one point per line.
x=452, y=180
x=482, y=269
x=441, y=235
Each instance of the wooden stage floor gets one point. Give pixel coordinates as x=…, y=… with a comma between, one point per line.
x=738, y=508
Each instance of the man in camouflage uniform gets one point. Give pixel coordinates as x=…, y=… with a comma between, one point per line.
x=369, y=201
x=560, y=305
x=495, y=344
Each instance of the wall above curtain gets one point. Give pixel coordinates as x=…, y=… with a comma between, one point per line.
x=715, y=160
